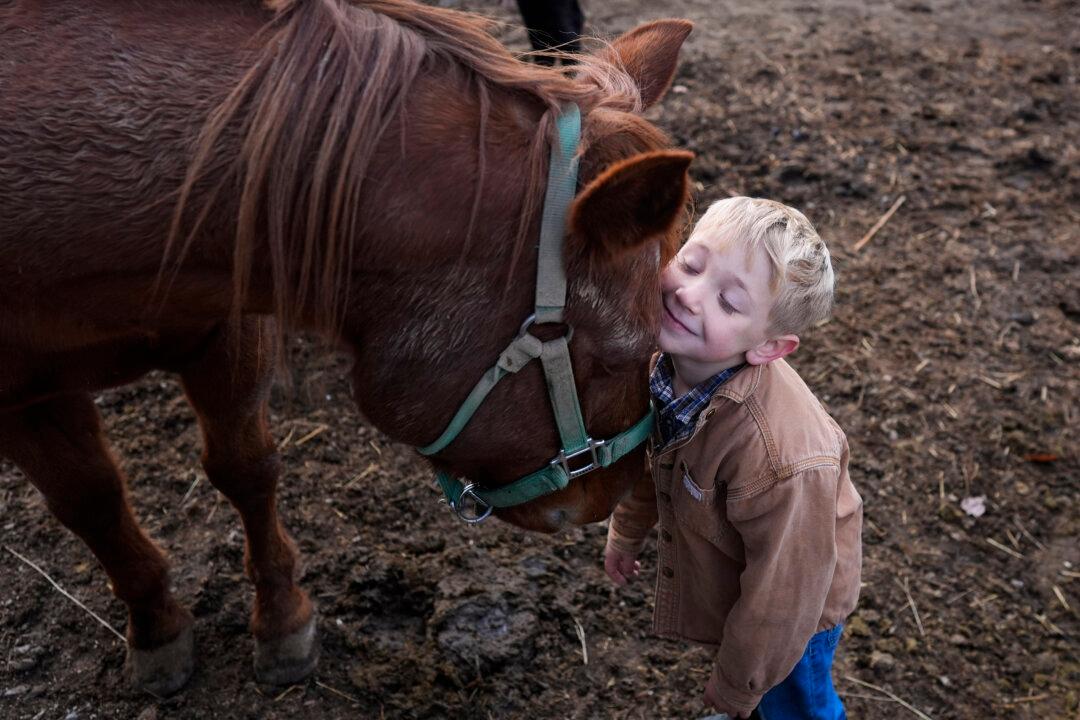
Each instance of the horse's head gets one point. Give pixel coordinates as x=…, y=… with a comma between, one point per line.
x=622, y=223
x=389, y=189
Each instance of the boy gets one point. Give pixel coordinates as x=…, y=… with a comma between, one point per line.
x=759, y=543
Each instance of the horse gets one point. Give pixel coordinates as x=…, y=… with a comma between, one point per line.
x=183, y=183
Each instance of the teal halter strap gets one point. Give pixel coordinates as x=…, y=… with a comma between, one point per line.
x=554, y=355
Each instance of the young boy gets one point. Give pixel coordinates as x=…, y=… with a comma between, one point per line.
x=759, y=543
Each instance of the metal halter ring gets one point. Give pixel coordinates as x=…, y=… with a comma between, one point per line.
x=460, y=506
x=532, y=318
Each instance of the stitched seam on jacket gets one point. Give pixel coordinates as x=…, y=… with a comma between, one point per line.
x=770, y=445
x=769, y=480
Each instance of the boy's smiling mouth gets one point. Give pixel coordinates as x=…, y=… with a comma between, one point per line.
x=673, y=321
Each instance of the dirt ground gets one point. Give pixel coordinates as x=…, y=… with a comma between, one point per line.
x=953, y=362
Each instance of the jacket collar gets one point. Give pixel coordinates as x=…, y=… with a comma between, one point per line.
x=743, y=385
x=739, y=388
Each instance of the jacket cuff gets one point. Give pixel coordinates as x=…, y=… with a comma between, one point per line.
x=630, y=543
x=737, y=697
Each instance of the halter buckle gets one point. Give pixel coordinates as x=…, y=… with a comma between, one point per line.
x=471, y=512
x=563, y=459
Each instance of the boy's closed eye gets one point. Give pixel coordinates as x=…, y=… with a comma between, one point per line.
x=685, y=265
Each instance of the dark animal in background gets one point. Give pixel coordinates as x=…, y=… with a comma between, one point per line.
x=553, y=25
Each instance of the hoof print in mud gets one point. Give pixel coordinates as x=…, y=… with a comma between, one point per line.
x=482, y=633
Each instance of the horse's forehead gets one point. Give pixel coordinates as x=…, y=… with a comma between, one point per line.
x=615, y=135
x=621, y=314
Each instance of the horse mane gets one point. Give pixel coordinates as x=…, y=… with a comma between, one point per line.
x=297, y=134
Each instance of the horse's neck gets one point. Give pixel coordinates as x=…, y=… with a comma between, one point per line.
x=435, y=301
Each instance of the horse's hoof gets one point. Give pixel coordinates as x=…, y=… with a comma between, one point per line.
x=289, y=659
x=164, y=670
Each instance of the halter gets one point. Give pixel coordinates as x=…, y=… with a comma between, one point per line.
x=580, y=453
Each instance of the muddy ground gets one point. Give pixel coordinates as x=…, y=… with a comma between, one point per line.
x=953, y=362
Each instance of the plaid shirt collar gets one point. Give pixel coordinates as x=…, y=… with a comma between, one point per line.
x=676, y=416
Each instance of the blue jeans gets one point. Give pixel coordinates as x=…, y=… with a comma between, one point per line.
x=808, y=692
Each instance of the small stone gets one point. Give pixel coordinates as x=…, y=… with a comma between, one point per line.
x=1045, y=662
x=680, y=89
x=974, y=506
x=882, y=661
x=944, y=680
x=858, y=627
x=911, y=644
x=25, y=663
x=534, y=567
x=1025, y=317
x=16, y=691
x=72, y=715
x=890, y=645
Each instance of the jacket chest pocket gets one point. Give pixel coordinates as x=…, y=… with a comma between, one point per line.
x=701, y=509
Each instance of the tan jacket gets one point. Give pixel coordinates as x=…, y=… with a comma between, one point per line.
x=760, y=529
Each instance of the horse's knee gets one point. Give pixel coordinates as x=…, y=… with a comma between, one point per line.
x=243, y=476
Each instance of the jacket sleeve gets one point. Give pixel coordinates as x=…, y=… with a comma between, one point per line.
x=634, y=516
x=789, y=535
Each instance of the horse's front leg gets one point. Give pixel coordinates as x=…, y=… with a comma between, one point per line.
x=228, y=386
x=60, y=446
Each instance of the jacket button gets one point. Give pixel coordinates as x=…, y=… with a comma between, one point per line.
x=668, y=572
x=665, y=535
x=664, y=497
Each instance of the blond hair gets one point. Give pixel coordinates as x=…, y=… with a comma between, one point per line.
x=802, y=274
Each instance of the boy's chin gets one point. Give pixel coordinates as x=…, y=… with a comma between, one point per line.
x=669, y=344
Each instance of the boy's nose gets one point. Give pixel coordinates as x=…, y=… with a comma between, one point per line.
x=687, y=298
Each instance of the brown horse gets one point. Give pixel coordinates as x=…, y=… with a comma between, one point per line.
x=179, y=180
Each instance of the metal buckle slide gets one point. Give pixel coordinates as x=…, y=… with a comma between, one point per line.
x=563, y=459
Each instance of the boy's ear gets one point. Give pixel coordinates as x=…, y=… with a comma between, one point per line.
x=633, y=201
x=650, y=54
x=773, y=349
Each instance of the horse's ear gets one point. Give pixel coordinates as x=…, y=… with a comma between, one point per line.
x=631, y=202
x=650, y=54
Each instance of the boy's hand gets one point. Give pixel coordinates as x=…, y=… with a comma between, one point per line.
x=620, y=566
x=713, y=699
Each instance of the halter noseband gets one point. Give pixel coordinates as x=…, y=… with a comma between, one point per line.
x=554, y=356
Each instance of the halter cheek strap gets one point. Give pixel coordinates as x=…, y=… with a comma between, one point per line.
x=580, y=454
